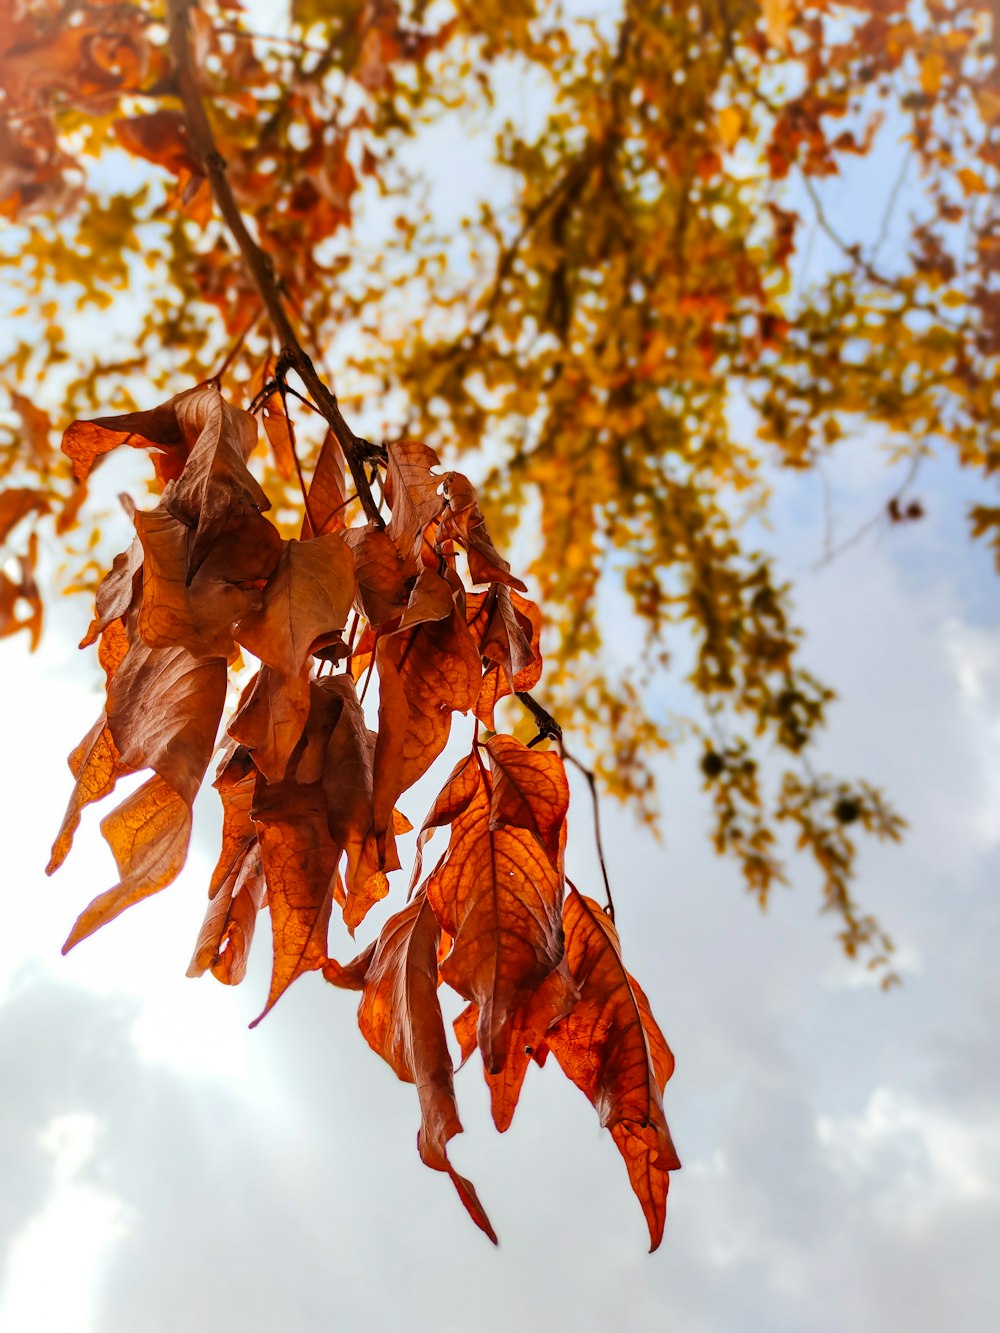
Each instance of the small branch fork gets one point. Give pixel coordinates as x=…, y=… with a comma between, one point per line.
x=549, y=729
x=258, y=262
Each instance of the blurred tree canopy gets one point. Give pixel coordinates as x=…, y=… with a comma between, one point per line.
x=614, y=334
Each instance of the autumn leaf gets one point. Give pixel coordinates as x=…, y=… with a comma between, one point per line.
x=215, y=488
x=96, y=765
x=157, y=429
x=426, y=673
x=413, y=491
x=463, y=522
x=226, y=935
x=197, y=613
x=270, y=719
x=164, y=707
x=401, y=1020
x=498, y=895
x=507, y=628
x=612, y=1049
x=381, y=573
x=16, y=503
x=300, y=860
x=529, y=1024
x=530, y=792
x=327, y=494
x=307, y=599
x=278, y=429
x=160, y=137
x=348, y=780
x=235, y=784
x=149, y=835
x=116, y=591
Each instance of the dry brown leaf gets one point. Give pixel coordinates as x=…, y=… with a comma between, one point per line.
x=270, y=719
x=224, y=941
x=612, y=1049
x=463, y=522
x=381, y=572
x=413, y=492
x=401, y=1019
x=199, y=613
x=530, y=792
x=215, y=488
x=300, y=862
x=497, y=893
x=164, y=707
x=149, y=835
x=15, y=503
x=307, y=598
x=327, y=493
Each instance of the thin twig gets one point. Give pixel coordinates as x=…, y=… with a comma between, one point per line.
x=890, y=206
x=860, y=533
x=234, y=351
x=258, y=262
x=853, y=252
x=595, y=801
x=549, y=729
x=248, y=35
x=283, y=390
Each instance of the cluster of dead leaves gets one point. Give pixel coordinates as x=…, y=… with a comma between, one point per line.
x=309, y=790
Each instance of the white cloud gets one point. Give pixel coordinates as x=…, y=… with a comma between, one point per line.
x=911, y=1158
x=55, y=1263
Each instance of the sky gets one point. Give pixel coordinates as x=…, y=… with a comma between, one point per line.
x=163, y=1168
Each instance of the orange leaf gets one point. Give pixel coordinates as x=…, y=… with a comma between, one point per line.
x=300, y=862
x=160, y=137
x=400, y=1018
x=15, y=503
x=116, y=592
x=530, y=792
x=529, y=1024
x=381, y=573
x=307, y=598
x=508, y=629
x=413, y=492
x=198, y=613
x=498, y=894
x=348, y=783
x=84, y=442
x=278, y=429
x=434, y=669
x=270, y=718
x=612, y=1049
x=164, y=707
x=235, y=785
x=463, y=522
x=149, y=835
x=216, y=488
x=227, y=932
x=327, y=492
x=96, y=765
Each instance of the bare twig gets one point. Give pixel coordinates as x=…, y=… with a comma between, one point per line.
x=258, y=262
x=831, y=552
x=282, y=389
x=549, y=729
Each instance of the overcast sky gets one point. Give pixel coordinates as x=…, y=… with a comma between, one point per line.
x=162, y=1168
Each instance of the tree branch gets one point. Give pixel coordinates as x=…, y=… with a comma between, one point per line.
x=258, y=262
